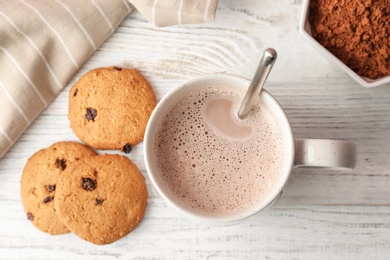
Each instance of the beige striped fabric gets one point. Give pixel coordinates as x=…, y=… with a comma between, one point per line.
x=44, y=42
x=169, y=12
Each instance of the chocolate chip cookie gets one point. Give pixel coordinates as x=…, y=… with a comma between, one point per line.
x=102, y=198
x=39, y=183
x=110, y=107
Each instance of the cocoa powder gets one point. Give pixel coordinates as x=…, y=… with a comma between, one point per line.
x=356, y=32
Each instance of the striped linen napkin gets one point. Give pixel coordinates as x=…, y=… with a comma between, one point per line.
x=44, y=42
x=168, y=12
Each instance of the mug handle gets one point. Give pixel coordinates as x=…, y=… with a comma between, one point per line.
x=324, y=153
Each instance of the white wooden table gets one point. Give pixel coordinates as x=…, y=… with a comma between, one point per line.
x=323, y=214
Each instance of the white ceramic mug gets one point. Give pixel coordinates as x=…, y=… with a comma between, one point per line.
x=298, y=152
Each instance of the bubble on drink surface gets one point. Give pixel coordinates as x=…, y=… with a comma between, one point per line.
x=206, y=170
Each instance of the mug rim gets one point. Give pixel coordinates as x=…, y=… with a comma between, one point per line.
x=217, y=220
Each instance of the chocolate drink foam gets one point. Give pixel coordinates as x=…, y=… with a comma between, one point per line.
x=217, y=171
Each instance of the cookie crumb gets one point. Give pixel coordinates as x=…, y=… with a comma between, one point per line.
x=127, y=148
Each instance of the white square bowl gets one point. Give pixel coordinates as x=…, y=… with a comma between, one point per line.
x=304, y=28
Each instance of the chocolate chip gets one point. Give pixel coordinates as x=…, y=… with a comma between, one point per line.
x=48, y=199
x=61, y=164
x=50, y=188
x=127, y=148
x=98, y=201
x=117, y=68
x=91, y=113
x=88, y=184
x=75, y=92
x=30, y=216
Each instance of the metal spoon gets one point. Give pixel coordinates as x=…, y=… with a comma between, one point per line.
x=262, y=72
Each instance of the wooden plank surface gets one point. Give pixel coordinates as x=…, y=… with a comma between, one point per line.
x=279, y=233
x=323, y=214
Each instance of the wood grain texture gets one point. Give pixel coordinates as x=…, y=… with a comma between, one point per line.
x=323, y=214
x=279, y=233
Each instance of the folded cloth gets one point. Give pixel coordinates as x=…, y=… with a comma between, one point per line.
x=44, y=42
x=168, y=12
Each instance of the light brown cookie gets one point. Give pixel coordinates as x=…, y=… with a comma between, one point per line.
x=110, y=107
x=102, y=198
x=39, y=182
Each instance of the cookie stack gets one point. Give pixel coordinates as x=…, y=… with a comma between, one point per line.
x=68, y=186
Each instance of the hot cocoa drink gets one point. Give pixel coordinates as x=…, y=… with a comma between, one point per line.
x=215, y=163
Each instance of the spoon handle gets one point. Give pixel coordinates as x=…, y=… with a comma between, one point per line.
x=262, y=72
